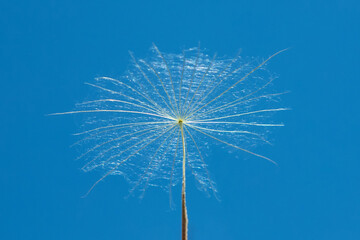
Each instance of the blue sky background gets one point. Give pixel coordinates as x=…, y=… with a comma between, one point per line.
x=48, y=49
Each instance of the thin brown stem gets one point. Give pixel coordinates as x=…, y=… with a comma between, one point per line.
x=184, y=218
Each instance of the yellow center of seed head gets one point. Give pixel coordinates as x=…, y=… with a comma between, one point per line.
x=180, y=121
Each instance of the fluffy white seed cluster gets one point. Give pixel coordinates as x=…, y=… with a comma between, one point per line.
x=133, y=126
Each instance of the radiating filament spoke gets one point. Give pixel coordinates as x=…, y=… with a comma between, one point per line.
x=192, y=79
x=202, y=160
x=120, y=94
x=162, y=84
x=248, y=113
x=171, y=80
x=207, y=70
x=242, y=79
x=201, y=99
x=148, y=80
x=173, y=165
x=112, y=111
x=149, y=164
x=235, y=103
x=136, y=91
x=122, y=143
x=121, y=162
x=231, y=145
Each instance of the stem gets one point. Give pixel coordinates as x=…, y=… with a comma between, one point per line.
x=184, y=219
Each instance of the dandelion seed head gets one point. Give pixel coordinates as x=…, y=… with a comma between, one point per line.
x=132, y=128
